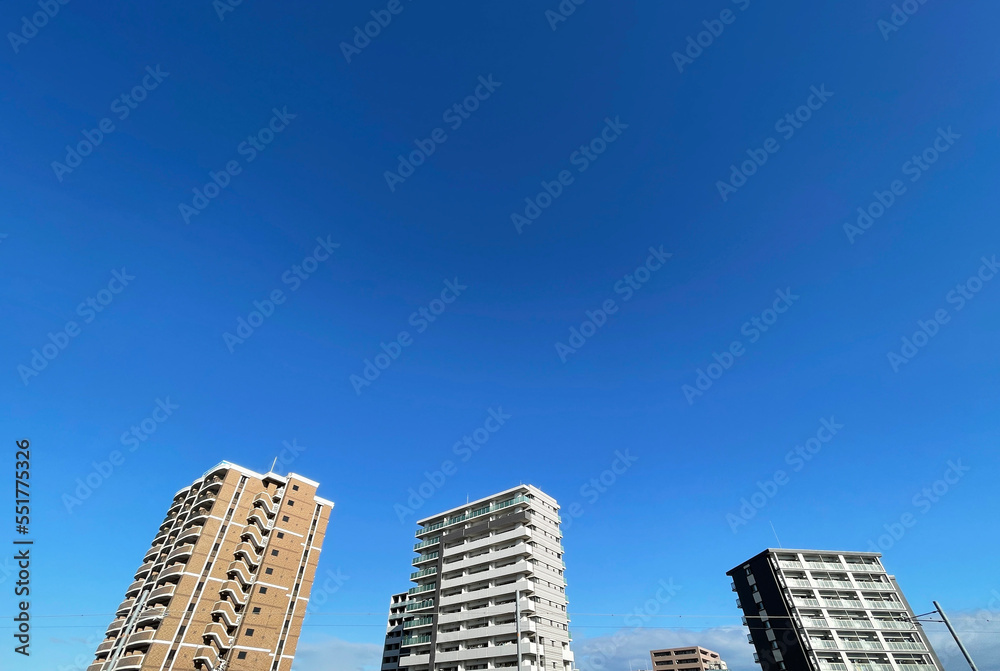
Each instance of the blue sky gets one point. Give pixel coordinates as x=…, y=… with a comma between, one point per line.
x=328, y=131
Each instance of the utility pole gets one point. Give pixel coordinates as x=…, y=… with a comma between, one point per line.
x=961, y=647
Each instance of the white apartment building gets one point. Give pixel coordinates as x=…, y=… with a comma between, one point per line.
x=829, y=611
x=489, y=590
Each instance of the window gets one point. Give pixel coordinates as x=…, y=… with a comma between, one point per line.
x=241, y=655
x=256, y=610
x=274, y=553
x=281, y=535
x=263, y=590
x=295, y=488
x=269, y=571
x=291, y=503
x=249, y=632
x=284, y=518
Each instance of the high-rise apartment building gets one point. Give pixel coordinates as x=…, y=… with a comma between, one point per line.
x=691, y=658
x=226, y=581
x=814, y=610
x=489, y=590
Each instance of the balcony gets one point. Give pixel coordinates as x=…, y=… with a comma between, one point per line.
x=151, y=616
x=197, y=518
x=422, y=588
x=418, y=622
x=905, y=645
x=207, y=658
x=427, y=543
x=162, y=594
x=420, y=605
x=134, y=588
x=181, y=553
x=420, y=574
x=259, y=518
x=265, y=501
x=115, y=627
x=242, y=572
x=130, y=663
x=226, y=612
x=893, y=624
x=220, y=634
x=206, y=499
x=153, y=552
x=254, y=535
x=891, y=605
x=485, y=510
x=172, y=572
x=824, y=566
x=105, y=647
x=732, y=585
x=784, y=563
x=96, y=666
x=415, y=640
x=143, y=570
x=424, y=558
x=141, y=638
x=247, y=551
x=234, y=591
x=125, y=606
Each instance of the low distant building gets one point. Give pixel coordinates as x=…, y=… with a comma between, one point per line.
x=691, y=658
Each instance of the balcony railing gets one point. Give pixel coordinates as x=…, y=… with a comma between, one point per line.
x=234, y=591
x=420, y=605
x=893, y=624
x=182, y=552
x=420, y=574
x=415, y=640
x=207, y=658
x=422, y=588
x=427, y=557
x=418, y=622
x=427, y=543
x=475, y=513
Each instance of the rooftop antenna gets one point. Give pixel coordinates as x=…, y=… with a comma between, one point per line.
x=273, y=463
x=774, y=532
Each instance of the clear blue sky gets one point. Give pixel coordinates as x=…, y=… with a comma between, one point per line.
x=609, y=67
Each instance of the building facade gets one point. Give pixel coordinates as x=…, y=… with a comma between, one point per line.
x=489, y=590
x=226, y=581
x=690, y=658
x=813, y=610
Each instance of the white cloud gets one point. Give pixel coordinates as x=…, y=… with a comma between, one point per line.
x=334, y=654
